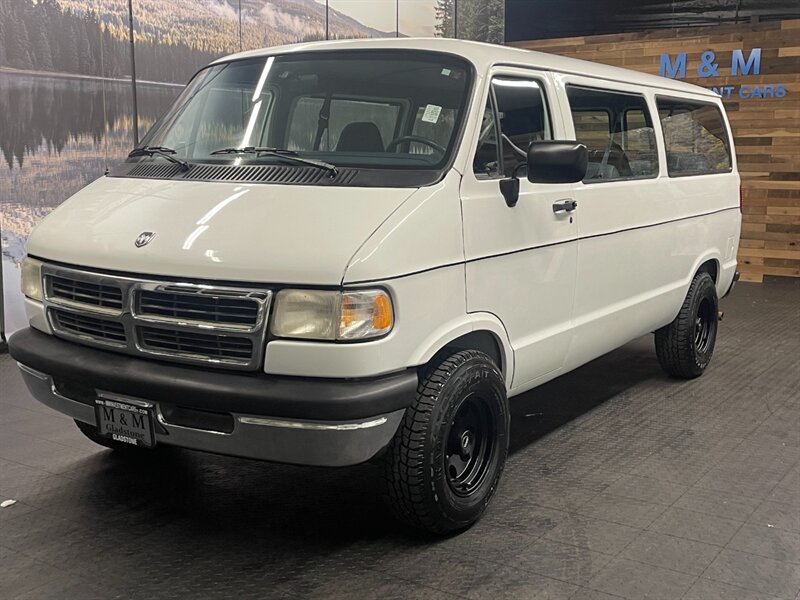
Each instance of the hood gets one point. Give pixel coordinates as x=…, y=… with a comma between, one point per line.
x=223, y=231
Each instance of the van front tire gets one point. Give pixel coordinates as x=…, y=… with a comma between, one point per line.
x=685, y=346
x=443, y=464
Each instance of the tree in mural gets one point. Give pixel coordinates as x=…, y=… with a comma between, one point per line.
x=481, y=20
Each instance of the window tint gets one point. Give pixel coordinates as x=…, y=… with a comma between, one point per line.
x=695, y=137
x=523, y=118
x=618, y=131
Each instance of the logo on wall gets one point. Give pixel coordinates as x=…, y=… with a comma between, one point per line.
x=740, y=66
x=144, y=238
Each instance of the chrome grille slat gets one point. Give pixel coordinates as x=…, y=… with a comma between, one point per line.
x=193, y=323
x=102, y=329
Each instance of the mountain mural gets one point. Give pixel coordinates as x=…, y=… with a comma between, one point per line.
x=213, y=25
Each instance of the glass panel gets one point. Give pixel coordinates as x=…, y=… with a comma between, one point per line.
x=618, y=131
x=390, y=109
x=523, y=118
x=695, y=137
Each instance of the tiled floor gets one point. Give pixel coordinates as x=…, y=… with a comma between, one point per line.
x=622, y=483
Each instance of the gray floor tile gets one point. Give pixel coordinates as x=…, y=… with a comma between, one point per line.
x=593, y=534
x=720, y=504
x=619, y=509
x=647, y=489
x=756, y=573
x=768, y=541
x=777, y=514
x=706, y=589
x=692, y=525
x=636, y=581
x=573, y=564
x=676, y=554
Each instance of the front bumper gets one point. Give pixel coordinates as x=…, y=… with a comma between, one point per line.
x=323, y=422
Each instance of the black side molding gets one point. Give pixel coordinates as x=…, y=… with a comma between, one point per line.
x=79, y=370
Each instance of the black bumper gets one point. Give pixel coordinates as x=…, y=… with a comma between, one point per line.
x=78, y=370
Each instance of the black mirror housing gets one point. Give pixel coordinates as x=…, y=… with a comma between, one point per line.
x=557, y=161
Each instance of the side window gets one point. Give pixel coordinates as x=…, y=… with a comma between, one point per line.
x=618, y=131
x=522, y=117
x=695, y=137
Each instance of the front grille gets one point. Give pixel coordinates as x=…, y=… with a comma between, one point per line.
x=210, y=346
x=219, y=326
x=86, y=326
x=85, y=292
x=218, y=309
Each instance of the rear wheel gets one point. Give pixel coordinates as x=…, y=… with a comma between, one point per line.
x=685, y=346
x=444, y=463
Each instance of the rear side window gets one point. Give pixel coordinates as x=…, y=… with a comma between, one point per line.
x=695, y=137
x=618, y=131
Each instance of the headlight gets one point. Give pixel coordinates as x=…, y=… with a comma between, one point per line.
x=31, y=276
x=330, y=315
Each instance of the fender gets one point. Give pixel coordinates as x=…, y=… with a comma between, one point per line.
x=464, y=324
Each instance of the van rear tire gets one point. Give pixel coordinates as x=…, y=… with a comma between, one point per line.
x=443, y=465
x=685, y=346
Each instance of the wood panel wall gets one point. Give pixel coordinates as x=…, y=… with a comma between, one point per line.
x=766, y=131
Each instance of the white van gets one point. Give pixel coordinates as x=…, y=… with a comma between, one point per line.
x=341, y=251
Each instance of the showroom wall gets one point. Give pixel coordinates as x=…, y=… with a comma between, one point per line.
x=761, y=95
x=65, y=92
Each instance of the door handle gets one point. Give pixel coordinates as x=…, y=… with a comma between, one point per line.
x=567, y=205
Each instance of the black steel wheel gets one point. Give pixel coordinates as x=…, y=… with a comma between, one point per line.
x=444, y=463
x=685, y=346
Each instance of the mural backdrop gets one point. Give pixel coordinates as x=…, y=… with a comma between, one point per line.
x=66, y=110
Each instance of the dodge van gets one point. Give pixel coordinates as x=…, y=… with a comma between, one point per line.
x=337, y=252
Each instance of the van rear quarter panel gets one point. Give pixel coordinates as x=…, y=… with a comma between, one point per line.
x=642, y=240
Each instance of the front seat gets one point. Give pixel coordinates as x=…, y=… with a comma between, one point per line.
x=363, y=136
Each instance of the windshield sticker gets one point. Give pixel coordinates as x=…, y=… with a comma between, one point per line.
x=446, y=72
x=432, y=112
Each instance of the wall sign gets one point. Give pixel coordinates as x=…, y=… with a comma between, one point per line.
x=739, y=66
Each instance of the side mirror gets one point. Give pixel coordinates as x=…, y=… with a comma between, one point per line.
x=557, y=162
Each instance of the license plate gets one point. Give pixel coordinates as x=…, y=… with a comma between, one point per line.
x=124, y=422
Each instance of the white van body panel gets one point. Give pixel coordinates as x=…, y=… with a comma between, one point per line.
x=215, y=231
x=423, y=233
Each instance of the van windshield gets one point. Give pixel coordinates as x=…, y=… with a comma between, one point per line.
x=388, y=109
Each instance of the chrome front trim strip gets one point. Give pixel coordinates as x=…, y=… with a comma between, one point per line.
x=313, y=425
x=130, y=316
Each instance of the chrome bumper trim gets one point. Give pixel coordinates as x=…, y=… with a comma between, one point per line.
x=317, y=443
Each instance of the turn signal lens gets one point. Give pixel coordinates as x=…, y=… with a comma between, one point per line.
x=331, y=315
x=365, y=314
x=31, y=278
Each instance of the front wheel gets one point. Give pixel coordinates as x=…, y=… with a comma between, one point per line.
x=444, y=463
x=684, y=347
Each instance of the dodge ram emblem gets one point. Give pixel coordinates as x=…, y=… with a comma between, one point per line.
x=144, y=238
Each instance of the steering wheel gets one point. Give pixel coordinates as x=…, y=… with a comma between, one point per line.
x=415, y=138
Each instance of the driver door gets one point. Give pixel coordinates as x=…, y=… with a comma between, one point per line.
x=521, y=259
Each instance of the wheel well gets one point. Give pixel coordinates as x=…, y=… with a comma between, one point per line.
x=483, y=341
x=710, y=267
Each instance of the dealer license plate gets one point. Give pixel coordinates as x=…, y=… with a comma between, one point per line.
x=124, y=422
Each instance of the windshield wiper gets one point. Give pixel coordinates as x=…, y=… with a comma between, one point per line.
x=162, y=151
x=281, y=153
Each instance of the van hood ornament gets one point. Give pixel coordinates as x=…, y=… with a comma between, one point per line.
x=144, y=238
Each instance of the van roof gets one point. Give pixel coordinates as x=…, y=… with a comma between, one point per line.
x=483, y=55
